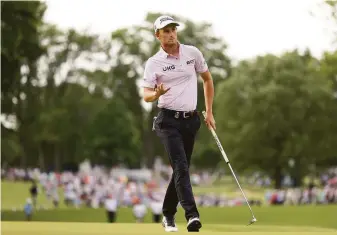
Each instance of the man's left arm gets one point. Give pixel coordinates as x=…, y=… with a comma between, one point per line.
x=208, y=90
x=201, y=68
x=209, y=96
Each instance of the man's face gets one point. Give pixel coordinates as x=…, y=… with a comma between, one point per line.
x=167, y=35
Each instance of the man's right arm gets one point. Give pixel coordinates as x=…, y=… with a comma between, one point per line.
x=152, y=91
x=150, y=94
x=149, y=83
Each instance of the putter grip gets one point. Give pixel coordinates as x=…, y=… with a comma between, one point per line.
x=217, y=141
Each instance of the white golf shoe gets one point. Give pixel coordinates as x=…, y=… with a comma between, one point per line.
x=194, y=224
x=169, y=225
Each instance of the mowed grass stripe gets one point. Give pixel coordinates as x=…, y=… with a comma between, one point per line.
x=312, y=216
x=266, y=228
x=50, y=228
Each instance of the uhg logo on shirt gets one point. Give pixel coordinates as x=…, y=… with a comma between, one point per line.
x=171, y=67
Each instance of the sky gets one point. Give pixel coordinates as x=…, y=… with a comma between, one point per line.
x=249, y=27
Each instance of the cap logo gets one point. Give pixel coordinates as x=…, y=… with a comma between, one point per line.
x=165, y=19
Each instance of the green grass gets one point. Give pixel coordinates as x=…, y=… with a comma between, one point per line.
x=315, y=216
x=231, y=191
x=15, y=195
x=227, y=186
x=272, y=220
x=49, y=228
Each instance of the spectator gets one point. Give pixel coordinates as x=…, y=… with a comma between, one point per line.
x=28, y=209
x=33, y=192
x=111, y=208
x=156, y=208
x=139, y=210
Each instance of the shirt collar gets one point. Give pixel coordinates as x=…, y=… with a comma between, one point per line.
x=165, y=55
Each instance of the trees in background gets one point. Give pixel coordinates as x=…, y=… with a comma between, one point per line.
x=20, y=51
x=275, y=110
x=69, y=96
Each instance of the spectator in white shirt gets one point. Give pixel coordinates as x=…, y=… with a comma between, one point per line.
x=111, y=205
x=156, y=208
x=139, y=210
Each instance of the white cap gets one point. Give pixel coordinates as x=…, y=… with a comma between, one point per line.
x=162, y=21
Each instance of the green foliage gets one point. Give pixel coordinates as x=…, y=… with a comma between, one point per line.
x=113, y=137
x=20, y=49
x=64, y=101
x=329, y=68
x=275, y=109
x=10, y=147
x=20, y=22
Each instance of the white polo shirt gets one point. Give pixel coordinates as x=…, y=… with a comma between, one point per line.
x=177, y=73
x=111, y=204
x=139, y=210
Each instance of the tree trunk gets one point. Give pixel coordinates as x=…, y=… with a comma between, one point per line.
x=23, y=158
x=278, y=141
x=148, y=149
x=41, y=158
x=148, y=143
x=297, y=173
x=56, y=158
x=277, y=176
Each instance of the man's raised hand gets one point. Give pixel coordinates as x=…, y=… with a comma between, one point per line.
x=160, y=90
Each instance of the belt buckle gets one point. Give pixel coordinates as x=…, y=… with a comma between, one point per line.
x=184, y=115
x=176, y=115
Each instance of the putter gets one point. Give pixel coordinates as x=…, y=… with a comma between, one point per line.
x=253, y=220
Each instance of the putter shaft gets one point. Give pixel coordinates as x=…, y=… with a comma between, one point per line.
x=230, y=167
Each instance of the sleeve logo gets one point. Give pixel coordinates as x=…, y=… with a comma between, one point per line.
x=190, y=61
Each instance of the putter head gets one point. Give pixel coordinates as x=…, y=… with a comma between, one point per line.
x=252, y=221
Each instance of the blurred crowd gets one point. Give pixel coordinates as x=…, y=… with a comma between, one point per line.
x=322, y=190
x=92, y=188
x=297, y=196
x=142, y=190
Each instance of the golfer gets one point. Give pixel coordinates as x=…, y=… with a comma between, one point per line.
x=170, y=77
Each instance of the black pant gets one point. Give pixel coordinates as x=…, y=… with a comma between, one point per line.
x=156, y=218
x=28, y=217
x=111, y=216
x=178, y=135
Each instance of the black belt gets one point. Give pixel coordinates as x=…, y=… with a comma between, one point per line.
x=179, y=114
